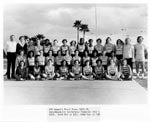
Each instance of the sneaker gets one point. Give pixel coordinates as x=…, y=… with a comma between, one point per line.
x=137, y=75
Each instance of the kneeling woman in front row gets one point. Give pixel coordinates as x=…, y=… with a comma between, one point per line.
x=112, y=71
x=126, y=72
x=99, y=72
x=76, y=72
x=87, y=71
x=49, y=70
x=63, y=71
x=21, y=72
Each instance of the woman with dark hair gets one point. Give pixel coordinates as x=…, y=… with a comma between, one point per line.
x=140, y=52
x=85, y=58
x=63, y=71
x=30, y=64
x=31, y=44
x=87, y=71
x=55, y=47
x=119, y=52
x=21, y=71
x=113, y=57
x=37, y=71
x=50, y=56
x=99, y=72
x=49, y=70
x=99, y=47
x=21, y=57
x=46, y=47
x=126, y=72
x=68, y=58
x=94, y=59
x=109, y=47
x=128, y=52
x=41, y=61
x=21, y=45
x=72, y=48
x=76, y=72
x=76, y=57
x=81, y=47
x=38, y=46
x=104, y=59
x=90, y=47
x=58, y=60
x=64, y=47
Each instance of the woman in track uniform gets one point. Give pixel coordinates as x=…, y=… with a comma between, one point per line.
x=99, y=47
x=50, y=56
x=46, y=47
x=104, y=59
x=64, y=47
x=81, y=47
x=72, y=48
x=38, y=46
x=94, y=59
x=76, y=57
x=90, y=47
x=109, y=47
x=41, y=61
x=58, y=61
x=55, y=47
x=68, y=58
x=85, y=58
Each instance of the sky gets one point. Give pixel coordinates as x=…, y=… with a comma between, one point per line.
x=55, y=21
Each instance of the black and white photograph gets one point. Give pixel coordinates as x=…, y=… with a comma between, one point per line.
x=55, y=54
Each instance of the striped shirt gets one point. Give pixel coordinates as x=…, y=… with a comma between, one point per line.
x=98, y=48
x=119, y=50
x=99, y=70
x=126, y=70
x=109, y=47
x=31, y=61
x=87, y=70
x=104, y=60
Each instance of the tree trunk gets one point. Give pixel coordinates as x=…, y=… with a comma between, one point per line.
x=84, y=35
x=77, y=34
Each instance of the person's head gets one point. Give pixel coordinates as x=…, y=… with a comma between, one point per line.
x=59, y=53
x=64, y=63
x=140, y=39
x=112, y=53
x=64, y=41
x=36, y=63
x=99, y=62
x=73, y=43
x=127, y=41
x=112, y=62
x=31, y=54
x=47, y=41
x=99, y=41
x=95, y=53
x=12, y=37
x=81, y=40
x=119, y=42
x=124, y=62
x=31, y=42
x=55, y=42
x=49, y=62
x=41, y=52
x=21, y=39
x=76, y=52
x=50, y=52
x=86, y=53
x=87, y=63
x=108, y=39
x=22, y=63
x=76, y=62
x=90, y=41
x=21, y=53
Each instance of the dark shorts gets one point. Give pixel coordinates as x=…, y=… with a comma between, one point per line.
x=119, y=57
x=108, y=54
x=46, y=54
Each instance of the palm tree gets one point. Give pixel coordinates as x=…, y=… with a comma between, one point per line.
x=77, y=25
x=84, y=28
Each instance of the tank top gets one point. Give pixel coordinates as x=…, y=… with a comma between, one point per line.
x=55, y=48
x=87, y=70
x=46, y=48
x=63, y=70
x=64, y=49
x=109, y=47
x=81, y=48
x=104, y=60
x=68, y=59
x=31, y=61
x=119, y=50
x=126, y=70
x=49, y=70
x=58, y=60
x=94, y=61
x=140, y=52
x=99, y=48
x=76, y=70
x=99, y=70
x=72, y=49
x=90, y=49
x=41, y=60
